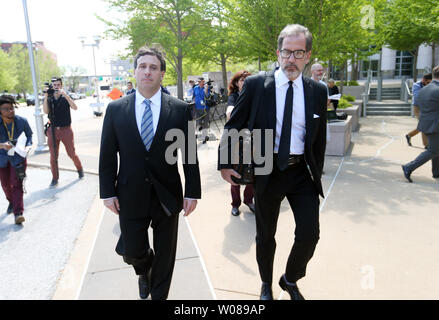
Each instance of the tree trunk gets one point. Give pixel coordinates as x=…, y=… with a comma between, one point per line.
x=259, y=63
x=433, y=53
x=342, y=79
x=224, y=71
x=180, y=75
x=415, y=68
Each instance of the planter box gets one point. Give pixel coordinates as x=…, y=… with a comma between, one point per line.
x=355, y=112
x=355, y=91
x=339, y=137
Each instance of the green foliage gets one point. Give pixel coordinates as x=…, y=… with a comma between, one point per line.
x=349, y=98
x=343, y=103
x=7, y=77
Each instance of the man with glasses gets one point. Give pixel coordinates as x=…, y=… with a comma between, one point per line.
x=293, y=108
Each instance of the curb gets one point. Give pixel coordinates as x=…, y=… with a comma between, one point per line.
x=45, y=165
x=72, y=276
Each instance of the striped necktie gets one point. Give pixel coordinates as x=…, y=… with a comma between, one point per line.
x=147, y=127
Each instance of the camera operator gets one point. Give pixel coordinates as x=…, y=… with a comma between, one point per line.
x=201, y=92
x=57, y=106
x=12, y=165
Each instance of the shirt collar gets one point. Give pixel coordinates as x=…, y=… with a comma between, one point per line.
x=281, y=79
x=155, y=99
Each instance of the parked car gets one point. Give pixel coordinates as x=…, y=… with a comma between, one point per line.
x=30, y=99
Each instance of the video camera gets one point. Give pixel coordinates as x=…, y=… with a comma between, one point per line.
x=50, y=90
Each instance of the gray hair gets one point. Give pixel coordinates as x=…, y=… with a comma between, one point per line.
x=315, y=65
x=293, y=30
x=331, y=80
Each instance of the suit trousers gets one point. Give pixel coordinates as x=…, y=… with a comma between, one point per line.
x=134, y=245
x=432, y=153
x=236, y=195
x=296, y=184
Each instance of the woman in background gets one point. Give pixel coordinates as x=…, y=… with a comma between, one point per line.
x=235, y=87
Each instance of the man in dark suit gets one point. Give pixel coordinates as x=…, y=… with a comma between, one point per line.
x=293, y=109
x=146, y=188
x=428, y=102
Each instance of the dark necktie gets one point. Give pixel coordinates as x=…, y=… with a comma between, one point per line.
x=285, y=136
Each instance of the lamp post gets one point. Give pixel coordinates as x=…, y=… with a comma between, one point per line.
x=38, y=114
x=98, y=104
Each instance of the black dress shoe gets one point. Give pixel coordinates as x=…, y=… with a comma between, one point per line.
x=145, y=279
x=293, y=290
x=266, y=291
x=408, y=138
x=10, y=208
x=80, y=174
x=144, y=285
x=251, y=206
x=407, y=173
x=235, y=211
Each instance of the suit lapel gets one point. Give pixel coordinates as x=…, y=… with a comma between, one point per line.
x=165, y=110
x=269, y=101
x=309, y=107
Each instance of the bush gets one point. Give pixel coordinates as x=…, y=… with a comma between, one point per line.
x=349, y=98
x=347, y=83
x=353, y=83
x=343, y=103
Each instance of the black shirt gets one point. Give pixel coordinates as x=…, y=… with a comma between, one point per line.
x=61, y=112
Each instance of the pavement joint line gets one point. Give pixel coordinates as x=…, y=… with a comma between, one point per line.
x=332, y=184
x=377, y=154
x=84, y=272
x=45, y=165
x=109, y=270
x=203, y=265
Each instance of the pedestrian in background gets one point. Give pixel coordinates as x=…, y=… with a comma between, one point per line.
x=428, y=102
x=426, y=79
x=13, y=165
x=235, y=87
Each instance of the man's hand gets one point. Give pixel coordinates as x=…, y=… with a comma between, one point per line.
x=189, y=205
x=112, y=204
x=6, y=146
x=227, y=174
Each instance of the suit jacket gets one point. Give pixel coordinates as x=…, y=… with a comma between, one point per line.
x=259, y=92
x=140, y=170
x=428, y=103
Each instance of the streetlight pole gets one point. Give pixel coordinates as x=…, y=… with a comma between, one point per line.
x=38, y=114
x=98, y=105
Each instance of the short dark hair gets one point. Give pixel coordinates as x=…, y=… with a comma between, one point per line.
x=436, y=72
x=129, y=82
x=7, y=99
x=427, y=76
x=143, y=51
x=56, y=79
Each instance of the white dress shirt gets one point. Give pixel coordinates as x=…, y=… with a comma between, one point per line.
x=298, y=128
x=156, y=103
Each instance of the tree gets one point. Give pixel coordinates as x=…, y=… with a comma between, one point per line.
x=403, y=28
x=7, y=77
x=19, y=54
x=170, y=23
x=47, y=68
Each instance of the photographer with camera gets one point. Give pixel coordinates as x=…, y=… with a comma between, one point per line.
x=201, y=92
x=12, y=165
x=57, y=104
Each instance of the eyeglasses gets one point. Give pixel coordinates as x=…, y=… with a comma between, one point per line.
x=298, y=54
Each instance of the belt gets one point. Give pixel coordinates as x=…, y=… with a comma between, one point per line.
x=59, y=128
x=293, y=159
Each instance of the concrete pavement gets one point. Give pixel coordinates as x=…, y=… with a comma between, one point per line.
x=378, y=232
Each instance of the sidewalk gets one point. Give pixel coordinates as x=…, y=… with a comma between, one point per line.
x=378, y=232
